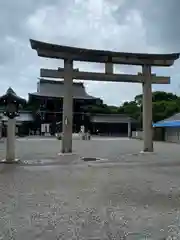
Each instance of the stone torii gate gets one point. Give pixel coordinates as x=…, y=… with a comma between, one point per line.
x=70, y=54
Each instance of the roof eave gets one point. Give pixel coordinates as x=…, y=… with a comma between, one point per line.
x=57, y=51
x=74, y=97
x=163, y=62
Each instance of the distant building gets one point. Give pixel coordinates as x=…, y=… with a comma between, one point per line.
x=49, y=99
x=113, y=124
x=23, y=122
x=45, y=117
x=168, y=129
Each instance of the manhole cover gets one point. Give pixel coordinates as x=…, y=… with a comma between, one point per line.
x=89, y=159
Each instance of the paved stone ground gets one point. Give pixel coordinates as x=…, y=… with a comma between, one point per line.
x=126, y=195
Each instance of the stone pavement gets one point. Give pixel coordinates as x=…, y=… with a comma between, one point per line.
x=126, y=195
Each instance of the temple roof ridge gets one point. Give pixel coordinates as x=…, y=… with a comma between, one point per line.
x=55, y=89
x=61, y=81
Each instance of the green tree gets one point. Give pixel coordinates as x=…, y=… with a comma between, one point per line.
x=165, y=104
x=131, y=109
x=163, y=96
x=157, y=97
x=164, y=109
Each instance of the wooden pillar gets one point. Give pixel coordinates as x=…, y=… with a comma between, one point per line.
x=10, y=142
x=129, y=129
x=147, y=109
x=109, y=68
x=67, y=107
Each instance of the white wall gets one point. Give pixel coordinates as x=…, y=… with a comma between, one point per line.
x=45, y=128
x=137, y=134
x=172, y=135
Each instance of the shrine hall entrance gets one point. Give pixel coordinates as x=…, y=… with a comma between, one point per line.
x=112, y=125
x=110, y=129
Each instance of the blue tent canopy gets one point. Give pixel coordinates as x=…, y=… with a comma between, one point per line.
x=175, y=123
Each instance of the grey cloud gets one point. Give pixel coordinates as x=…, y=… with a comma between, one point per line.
x=123, y=25
x=13, y=23
x=13, y=14
x=6, y=51
x=163, y=23
x=160, y=18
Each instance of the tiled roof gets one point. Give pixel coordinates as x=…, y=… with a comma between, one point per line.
x=173, y=121
x=51, y=88
x=23, y=117
x=175, y=117
x=112, y=118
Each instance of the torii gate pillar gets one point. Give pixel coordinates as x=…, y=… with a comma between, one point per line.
x=67, y=107
x=147, y=109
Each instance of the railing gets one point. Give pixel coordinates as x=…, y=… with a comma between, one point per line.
x=59, y=112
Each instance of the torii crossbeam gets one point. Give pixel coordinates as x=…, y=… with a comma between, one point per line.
x=103, y=77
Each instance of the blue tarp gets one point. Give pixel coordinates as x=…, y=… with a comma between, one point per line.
x=167, y=124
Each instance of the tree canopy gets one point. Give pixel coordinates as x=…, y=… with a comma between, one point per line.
x=165, y=104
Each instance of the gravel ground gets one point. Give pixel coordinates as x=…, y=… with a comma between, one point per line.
x=125, y=195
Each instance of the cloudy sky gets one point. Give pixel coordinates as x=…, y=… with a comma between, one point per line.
x=121, y=25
